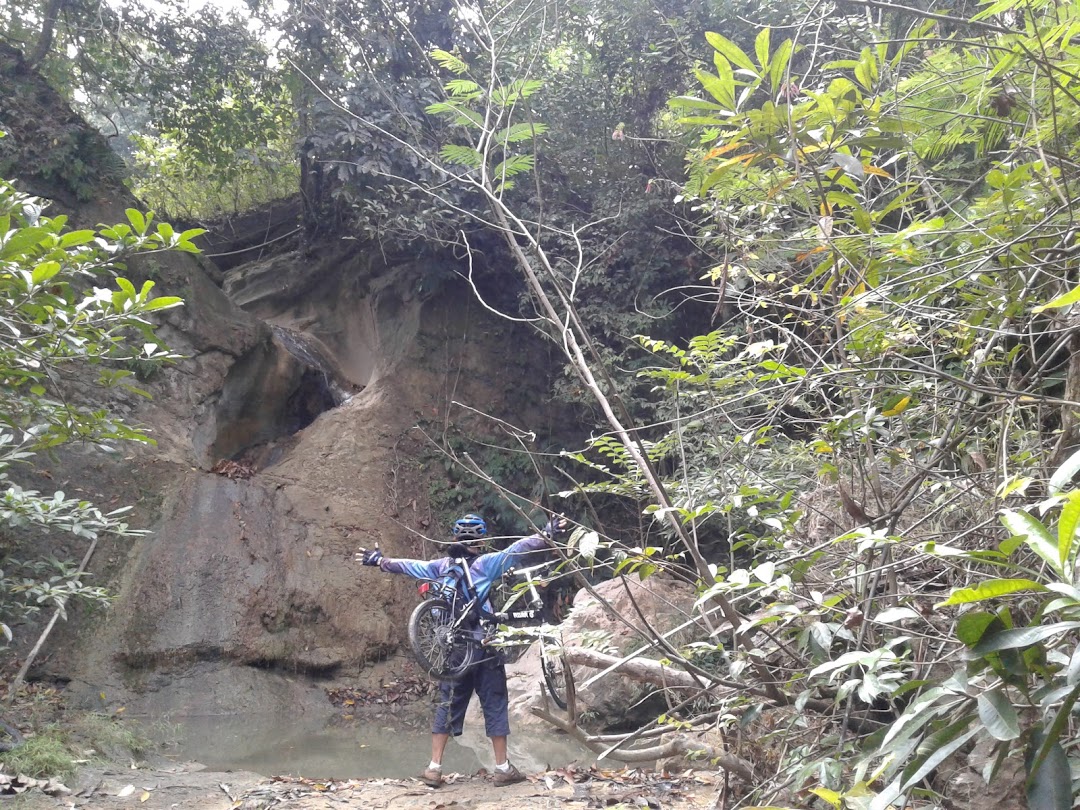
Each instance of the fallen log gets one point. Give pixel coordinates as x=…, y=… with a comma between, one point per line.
x=638, y=669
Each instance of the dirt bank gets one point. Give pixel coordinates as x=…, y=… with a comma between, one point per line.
x=190, y=787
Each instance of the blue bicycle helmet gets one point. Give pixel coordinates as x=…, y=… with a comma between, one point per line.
x=470, y=527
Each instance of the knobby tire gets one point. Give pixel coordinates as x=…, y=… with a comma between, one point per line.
x=553, y=667
x=444, y=653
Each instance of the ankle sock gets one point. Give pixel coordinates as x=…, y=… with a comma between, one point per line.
x=434, y=766
x=504, y=767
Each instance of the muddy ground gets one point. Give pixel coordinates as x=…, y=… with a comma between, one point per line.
x=189, y=786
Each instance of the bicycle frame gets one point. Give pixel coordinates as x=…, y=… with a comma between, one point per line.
x=470, y=622
x=474, y=601
x=535, y=602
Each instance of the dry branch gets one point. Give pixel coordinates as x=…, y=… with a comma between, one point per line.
x=648, y=671
x=638, y=669
x=678, y=745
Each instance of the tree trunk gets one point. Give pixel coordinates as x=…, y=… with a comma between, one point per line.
x=48, y=29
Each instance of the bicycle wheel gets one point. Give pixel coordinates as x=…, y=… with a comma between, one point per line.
x=445, y=652
x=555, y=674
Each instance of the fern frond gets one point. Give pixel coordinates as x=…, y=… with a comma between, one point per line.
x=464, y=89
x=521, y=132
x=513, y=165
x=459, y=115
x=515, y=91
x=447, y=61
x=461, y=155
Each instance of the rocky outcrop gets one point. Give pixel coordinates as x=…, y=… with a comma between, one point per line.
x=609, y=621
x=285, y=438
x=251, y=572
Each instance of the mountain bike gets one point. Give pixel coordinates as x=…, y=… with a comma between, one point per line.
x=454, y=628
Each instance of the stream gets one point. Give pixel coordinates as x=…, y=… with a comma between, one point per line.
x=313, y=748
x=297, y=746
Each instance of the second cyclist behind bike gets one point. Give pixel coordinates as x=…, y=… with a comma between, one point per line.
x=487, y=680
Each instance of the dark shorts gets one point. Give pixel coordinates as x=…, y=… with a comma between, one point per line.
x=488, y=682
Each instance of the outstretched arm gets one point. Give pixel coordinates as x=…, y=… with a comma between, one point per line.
x=498, y=563
x=417, y=569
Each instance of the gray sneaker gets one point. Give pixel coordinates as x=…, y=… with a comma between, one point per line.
x=432, y=778
x=508, y=777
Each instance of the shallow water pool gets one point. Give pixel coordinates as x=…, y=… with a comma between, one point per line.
x=313, y=748
x=331, y=748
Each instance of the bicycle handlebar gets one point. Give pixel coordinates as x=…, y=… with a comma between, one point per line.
x=528, y=572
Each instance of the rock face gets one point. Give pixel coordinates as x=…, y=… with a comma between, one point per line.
x=286, y=438
x=248, y=577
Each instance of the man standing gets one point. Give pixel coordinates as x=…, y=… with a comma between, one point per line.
x=487, y=680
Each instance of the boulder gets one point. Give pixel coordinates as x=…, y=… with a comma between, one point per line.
x=611, y=620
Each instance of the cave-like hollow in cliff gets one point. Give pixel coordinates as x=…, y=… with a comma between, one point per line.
x=271, y=394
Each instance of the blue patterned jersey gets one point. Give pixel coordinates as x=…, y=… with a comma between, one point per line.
x=486, y=570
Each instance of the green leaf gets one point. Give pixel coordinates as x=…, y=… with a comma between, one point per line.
x=761, y=48
x=462, y=88
x=721, y=87
x=1067, y=521
x=447, y=61
x=512, y=166
x=1035, y=534
x=973, y=626
x=778, y=68
x=191, y=233
x=137, y=220
x=694, y=103
x=925, y=708
x=990, y=589
x=127, y=287
x=164, y=302
x=862, y=75
x=516, y=90
x=1069, y=298
x=995, y=8
x=730, y=50
x=1064, y=474
x=1022, y=637
x=44, y=271
x=936, y=748
x=831, y=796
x=521, y=132
x=461, y=155
x=76, y=238
x=24, y=240
x=998, y=715
x=1049, y=782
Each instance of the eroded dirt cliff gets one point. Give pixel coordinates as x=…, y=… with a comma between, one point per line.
x=246, y=593
x=286, y=437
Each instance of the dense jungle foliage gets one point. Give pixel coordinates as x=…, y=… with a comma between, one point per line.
x=813, y=267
